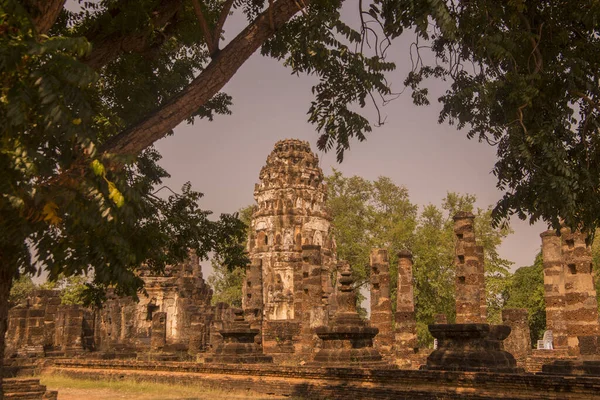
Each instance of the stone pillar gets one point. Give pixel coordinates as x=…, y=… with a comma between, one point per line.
x=406, y=330
x=518, y=343
x=483, y=291
x=252, y=296
x=198, y=341
x=35, y=331
x=468, y=272
x=69, y=329
x=581, y=307
x=158, y=335
x=381, y=306
x=16, y=333
x=313, y=312
x=554, y=294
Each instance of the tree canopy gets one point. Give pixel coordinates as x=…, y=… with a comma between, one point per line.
x=368, y=214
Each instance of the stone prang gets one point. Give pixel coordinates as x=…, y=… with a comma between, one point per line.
x=290, y=213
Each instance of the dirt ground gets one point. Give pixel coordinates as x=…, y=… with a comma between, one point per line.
x=107, y=394
x=75, y=389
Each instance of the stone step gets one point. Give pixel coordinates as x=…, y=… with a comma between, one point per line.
x=55, y=353
x=26, y=389
x=37, y=395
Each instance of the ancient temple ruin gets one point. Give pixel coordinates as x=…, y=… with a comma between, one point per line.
x=381, y=307
x=470, y=277
x=405, y=340
x=570, y=294
x=174, y=299
x=470, y=344
x=290, y=213
x=169, y=317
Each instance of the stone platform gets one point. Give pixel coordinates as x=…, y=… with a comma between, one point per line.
x=342, y=383
x=238, y=346
x=26, y=389
x=348, y=340
x=471, y=347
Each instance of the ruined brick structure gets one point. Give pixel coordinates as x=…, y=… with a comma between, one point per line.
x=314, y=297
x=554, y=287
x=470, y=278
x=348, y=340
x=571, y=305
x=290, y=213
x=518, y=343
x=181, y=294
x=581, y=307
x=176, y=315
x=42, y=326
x=405, y=341
x=238, y=345
x=381, y=306
x=469, y=344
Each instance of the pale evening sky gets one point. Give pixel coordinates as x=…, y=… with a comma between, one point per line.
x=223, y=158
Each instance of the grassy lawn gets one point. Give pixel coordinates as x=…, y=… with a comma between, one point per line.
x=80, y=389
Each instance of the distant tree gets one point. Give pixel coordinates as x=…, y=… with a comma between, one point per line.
x=434, y=261
x=226, y=284
x=526, y=290
x=73, y=289
x=20, y=290
x=226, y=280
x=368, y=214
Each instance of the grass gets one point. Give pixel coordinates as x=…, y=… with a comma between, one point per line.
x=76, y=389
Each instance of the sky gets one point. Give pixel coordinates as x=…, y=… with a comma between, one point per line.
x=223, y=158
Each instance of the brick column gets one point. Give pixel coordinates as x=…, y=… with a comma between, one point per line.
x=554, y=289
x=313, y=312
x=252, y=296
x=381, y=306
x=468, y=272
x=581, y=310
x=406, y=330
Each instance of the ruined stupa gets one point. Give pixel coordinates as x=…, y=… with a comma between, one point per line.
x=470, y=344
x=290, y=213
x=348, y=340
x=238, y=346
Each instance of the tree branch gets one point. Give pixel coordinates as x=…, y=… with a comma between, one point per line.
x=108, y=48
x=222, y=18
x=587, y=99
x=45, y=13
x=208, y=37
x=212, y=79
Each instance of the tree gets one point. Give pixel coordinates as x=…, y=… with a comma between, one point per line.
x=227, y=280
x=73, y=289
x=85, y=94
x=367, y=215
x=370, y=214
x=434, y=261
x=21, y=288
x=523, y=77
x=226, y=284
x=526, y=290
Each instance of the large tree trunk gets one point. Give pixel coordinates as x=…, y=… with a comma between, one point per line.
x=6, y=277
x=212, y=79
